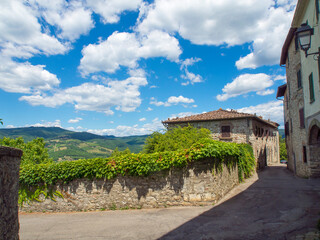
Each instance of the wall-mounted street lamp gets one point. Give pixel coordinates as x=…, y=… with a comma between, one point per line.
x=304, y=33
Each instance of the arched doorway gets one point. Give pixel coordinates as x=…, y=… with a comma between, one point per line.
x=314, y=149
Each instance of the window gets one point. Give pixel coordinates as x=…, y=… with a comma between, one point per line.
x=296, y=43
x=317, y=9
x=299, y=79
x=225, y=130
x=311, y=88
x=286, y=129
x=304, y=154
x=301, y=116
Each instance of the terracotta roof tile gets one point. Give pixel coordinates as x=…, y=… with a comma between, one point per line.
x=219, y=114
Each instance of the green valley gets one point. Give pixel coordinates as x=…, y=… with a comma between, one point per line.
x=68, y=145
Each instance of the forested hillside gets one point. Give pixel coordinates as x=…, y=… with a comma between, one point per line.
x=68, y=145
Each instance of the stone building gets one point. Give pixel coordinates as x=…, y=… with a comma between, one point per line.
x=301, y=93
x=233, y=126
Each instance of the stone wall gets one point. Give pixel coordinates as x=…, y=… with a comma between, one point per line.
x=9, y=187
x=265, y=143
x=193, y=185
x=296, y=136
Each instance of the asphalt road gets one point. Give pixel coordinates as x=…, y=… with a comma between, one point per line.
x=271, y=205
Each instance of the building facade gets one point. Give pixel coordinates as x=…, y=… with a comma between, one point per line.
x=232, y=126
x=301, y=94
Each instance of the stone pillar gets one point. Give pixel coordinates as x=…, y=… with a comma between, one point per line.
x=9, y=188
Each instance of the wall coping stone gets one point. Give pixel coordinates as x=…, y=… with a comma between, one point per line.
x=9, y=151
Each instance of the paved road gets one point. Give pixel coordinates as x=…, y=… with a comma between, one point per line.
x=272, y=205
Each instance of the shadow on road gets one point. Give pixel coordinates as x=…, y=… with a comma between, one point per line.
x=277, y=206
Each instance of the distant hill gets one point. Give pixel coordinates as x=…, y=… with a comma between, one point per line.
x=281, y=133
x=68, y=145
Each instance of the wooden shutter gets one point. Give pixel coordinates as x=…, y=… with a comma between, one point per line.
x=301, y=115
x=299, y=82
x=225, y=130
x=311, y=88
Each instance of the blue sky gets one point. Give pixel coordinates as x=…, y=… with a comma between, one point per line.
x=119, y=67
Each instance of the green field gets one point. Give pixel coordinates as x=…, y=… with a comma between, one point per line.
x=68, y=145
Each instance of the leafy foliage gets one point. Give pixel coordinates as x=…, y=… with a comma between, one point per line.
x=177, y=138
x=139, y=164
x=67, y=145
x=34, y=152
x=283, y=148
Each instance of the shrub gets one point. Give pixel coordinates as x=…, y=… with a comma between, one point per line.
x=34, y=152
x=177, y=138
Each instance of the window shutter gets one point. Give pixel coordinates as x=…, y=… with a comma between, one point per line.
x=225, y=130
x=299, y=79
x=311, y=88
x=301, y=115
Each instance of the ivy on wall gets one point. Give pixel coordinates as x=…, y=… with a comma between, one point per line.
x=40, y=178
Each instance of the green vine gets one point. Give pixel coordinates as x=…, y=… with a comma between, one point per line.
x=47, y=175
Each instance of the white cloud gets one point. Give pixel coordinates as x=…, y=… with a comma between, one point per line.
x=246, y=83
x=21, y=33
x=123, y=95
x=25, y=78
x=75, y=120
x=121, y=130
x=56, y=123
x=125, y=49
x=189, y=76
x=142, y=119
x=111, y=9
x=271, y=110
x=266, y=92
x=182, y=114
x=71, y=17
x=172, y=101
x=267, y=45
x=226, y=22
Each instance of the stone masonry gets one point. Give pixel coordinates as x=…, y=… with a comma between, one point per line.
x=193, y=185
x=261, y=134
x=9, y=188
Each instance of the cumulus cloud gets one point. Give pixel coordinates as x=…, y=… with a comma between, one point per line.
x=123, y=95
x=110, y=10
x=125, y=49
x=122, y=130
x=56, y=123
x=172, y=101
x=71, y=18
x=246, y=83
x=271, y=110
x=189, y=76
x=142, y=119
x=75, y=120
x=21, y=33
x=25, y=78
x=264, y=23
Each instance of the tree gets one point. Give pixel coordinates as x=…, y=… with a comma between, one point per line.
x=1, y=121
x=34, y=152
x=177, y=138
x=283, y=149
x=117, y=153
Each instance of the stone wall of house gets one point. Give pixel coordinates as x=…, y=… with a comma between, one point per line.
x=296, y=136
x=263, y=138
x=9, y=187
x=192, y=185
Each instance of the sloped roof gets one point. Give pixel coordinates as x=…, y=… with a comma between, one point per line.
x=219, y=114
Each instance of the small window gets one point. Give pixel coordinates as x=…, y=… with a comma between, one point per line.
x=286, y=129
x=311, y=88
x=226, y=132
x=304, y=152
x=301, y=116
x=296, y=43
x=299, y=79
x=317, y=9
